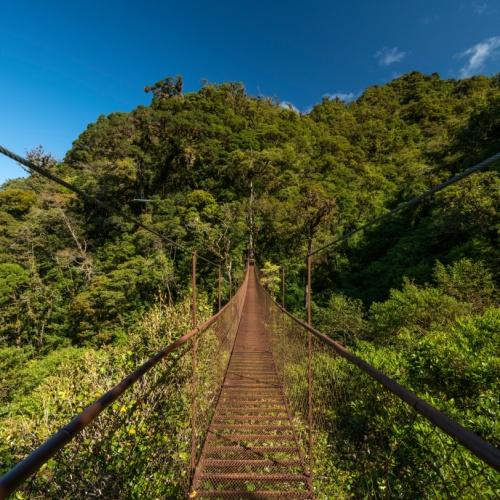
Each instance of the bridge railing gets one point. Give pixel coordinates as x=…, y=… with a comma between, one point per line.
x=112, y=450
x=363, y=433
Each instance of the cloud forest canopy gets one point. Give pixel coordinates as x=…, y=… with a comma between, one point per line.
x=79, y=284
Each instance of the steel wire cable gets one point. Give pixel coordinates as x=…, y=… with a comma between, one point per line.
x=109, y=207
x=413, y=201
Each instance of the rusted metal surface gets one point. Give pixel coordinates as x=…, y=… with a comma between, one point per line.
x=194, y=348
x=309, y=367
x=219, y=288
x=194, y=260
x=251, y=450
x=255, y=494
x=309, y=289
x=283, y=284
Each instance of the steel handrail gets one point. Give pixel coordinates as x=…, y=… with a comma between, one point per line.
x=10, y=481
x=475, y=444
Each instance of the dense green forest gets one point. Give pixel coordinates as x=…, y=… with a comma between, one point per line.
x=84, y=294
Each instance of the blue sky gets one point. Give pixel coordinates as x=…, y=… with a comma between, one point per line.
x=63, y=63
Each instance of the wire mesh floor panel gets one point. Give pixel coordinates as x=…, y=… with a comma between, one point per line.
x=251, y=449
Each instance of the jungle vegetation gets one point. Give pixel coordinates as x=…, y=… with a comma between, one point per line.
x=82, y=291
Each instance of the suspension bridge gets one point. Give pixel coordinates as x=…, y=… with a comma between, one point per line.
x=270, y=412
x=251, y=437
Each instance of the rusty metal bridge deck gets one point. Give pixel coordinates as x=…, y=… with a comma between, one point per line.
x=251, y=449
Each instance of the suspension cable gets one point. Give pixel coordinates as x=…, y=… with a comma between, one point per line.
x=109, y=207
x=411, y=202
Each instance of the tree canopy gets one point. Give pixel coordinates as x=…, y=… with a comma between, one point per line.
x=417, y=295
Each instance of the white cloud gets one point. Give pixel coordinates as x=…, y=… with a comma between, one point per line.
x=387, y=56
x=343, y=96
x=479, y=7
x=289, y=106
x=478, y=55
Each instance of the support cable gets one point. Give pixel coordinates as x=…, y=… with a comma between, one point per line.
x=109, y=207
x=411, y=202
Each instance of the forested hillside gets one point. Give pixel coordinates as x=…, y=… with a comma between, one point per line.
x=82, y=289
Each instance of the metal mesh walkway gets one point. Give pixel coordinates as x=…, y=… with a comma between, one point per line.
x=251, y=449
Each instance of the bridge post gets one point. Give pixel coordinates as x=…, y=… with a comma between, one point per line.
x=283, y=287
x=309, y=365
x=193, y=289
x=219, y=285
x=308, y=289
x=194, y=364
